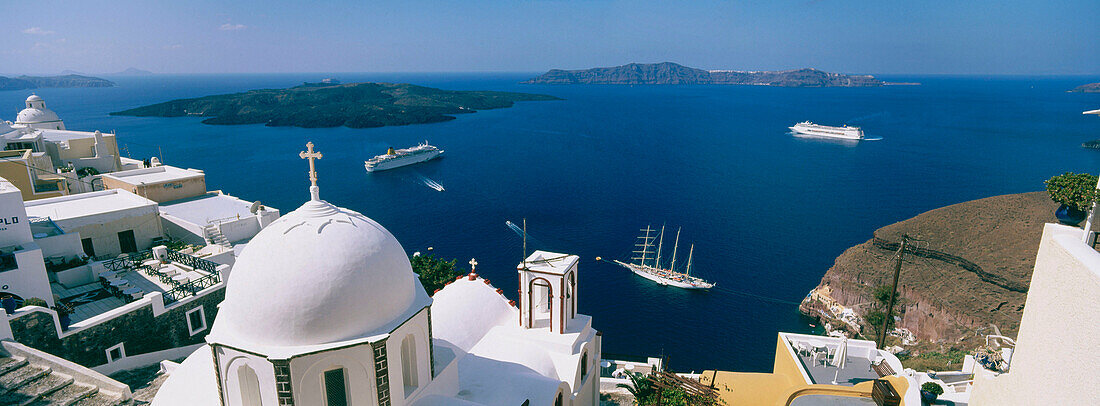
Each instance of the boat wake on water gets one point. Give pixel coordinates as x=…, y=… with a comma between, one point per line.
x=519, y=230
x=429, y=183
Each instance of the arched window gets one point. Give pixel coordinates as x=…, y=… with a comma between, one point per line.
x=336, y=387
x=584, y=365
x=249, y=384
x=408, y=364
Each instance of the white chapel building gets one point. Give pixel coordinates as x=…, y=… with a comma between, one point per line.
x=323, y=308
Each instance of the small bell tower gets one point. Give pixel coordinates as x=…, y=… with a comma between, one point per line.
x=548, y=290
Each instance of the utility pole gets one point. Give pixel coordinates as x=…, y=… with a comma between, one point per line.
x=893, y=292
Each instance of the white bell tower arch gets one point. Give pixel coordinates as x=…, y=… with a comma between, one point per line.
x=548, y=290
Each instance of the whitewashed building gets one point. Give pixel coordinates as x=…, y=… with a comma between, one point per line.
x=22, y=268
x=323, y=308
x=110, y=222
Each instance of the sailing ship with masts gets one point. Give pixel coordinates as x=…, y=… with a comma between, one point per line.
x=647, y=263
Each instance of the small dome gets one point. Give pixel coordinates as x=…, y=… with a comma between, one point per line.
x=34, y=97
x=36, y=116
x=318, y=275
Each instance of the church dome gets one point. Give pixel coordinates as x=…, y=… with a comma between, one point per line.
x=317, y=275
x=36, y=116
x=37, y=113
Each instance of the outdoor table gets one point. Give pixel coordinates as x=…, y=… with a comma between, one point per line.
x=134, y=293
x=117, y=285
x=181, y=279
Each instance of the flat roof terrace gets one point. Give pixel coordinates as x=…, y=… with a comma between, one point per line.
x=86, y=204
x=816, y=354
x=154, y=175
x=138, y=274
x=208, y=207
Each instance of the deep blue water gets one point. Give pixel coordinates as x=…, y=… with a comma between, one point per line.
x=768, y=212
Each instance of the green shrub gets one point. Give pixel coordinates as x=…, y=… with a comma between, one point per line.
x=932, y=387
x=1076, y=190
x=34, y=301
x=434, y=273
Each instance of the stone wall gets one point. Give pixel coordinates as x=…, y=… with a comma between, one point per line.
x=139, y=330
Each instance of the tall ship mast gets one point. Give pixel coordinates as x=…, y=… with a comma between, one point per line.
x=647, y=265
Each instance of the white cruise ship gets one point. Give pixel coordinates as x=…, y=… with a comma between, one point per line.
x=845, y=132
x=654, y=271
x=401, y=157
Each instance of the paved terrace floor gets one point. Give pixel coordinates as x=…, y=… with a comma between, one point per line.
x=93, y=299
x=858, y=369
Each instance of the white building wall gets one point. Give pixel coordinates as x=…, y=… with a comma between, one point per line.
x=1056, y=353
x=307, y=375
x=29, y=279
x=418, y=327
x=230, y=360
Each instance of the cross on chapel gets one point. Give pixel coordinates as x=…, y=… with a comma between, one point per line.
x=473, y=265
x=309, y=154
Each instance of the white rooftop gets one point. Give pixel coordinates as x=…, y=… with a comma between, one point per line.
x=208, y=207
x=552, y=262
x=158, y=174
x=65, y=135
x=86, y=204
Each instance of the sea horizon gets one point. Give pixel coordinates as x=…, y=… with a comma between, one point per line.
x=768, y=212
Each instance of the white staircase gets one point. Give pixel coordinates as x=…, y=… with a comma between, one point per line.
x=213, y=235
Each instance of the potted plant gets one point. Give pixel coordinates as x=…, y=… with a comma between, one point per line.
x=8, y=303
x=64, y=313
x=930, y=391
x=1075, y=192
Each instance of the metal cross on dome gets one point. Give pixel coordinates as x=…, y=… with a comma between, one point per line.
x=311, y=155
x=473, y=265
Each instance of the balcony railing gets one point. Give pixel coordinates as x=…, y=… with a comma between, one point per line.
x=179, y=290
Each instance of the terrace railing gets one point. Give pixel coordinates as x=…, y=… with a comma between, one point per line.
x=179, y=290
x=191, y=288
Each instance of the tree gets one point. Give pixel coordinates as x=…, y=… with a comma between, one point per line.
x=646, y=393
x=434, y=273
x=1076, y=190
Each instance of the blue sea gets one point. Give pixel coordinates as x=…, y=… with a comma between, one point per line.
x=768, y=212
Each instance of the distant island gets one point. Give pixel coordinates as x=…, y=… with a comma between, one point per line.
x=132, y=72
x=1094, y=144
x=33, y=82
x=354, y=105
x=668, y=73
x=1088, y=88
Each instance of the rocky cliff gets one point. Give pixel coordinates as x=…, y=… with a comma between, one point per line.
x=668, y=73
x=970, y=269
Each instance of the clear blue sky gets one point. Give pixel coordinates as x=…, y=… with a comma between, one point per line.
x=885, y=37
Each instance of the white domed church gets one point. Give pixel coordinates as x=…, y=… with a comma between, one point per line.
x=36, y=115
x=322, y=308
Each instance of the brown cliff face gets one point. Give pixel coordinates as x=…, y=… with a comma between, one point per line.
x=970, y=270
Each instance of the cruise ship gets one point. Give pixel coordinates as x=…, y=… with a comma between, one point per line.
x=845, y=132
x=401, y=157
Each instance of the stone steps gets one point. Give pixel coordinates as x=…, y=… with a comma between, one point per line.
x=66, y=396
x=25, y=384
x=14, y=379
x=33, y=390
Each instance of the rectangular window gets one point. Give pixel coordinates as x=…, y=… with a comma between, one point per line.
x=116, y=353
x=196, y=320
x=126, y=241
x=336, y=390
x=89, y=249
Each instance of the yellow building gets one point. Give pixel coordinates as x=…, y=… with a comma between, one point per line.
x=33, y=173
x=805, y=374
